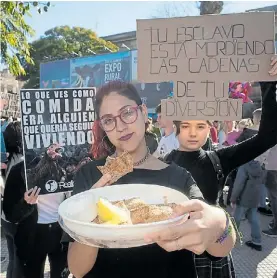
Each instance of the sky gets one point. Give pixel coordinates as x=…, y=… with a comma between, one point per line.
x=107, y=18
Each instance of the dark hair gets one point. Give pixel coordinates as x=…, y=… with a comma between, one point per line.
x=102, y=145
x=158, y=109
x=13, y=138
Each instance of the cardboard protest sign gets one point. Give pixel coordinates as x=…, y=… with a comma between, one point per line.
x=57, y=135
x=201, y=55
x=11, y=107
x=214, y=47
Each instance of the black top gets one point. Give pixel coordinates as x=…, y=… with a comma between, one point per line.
x=200, y=166
x=146, y=261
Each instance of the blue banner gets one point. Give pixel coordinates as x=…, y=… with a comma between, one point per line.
x=94, y=71
x=55, y=74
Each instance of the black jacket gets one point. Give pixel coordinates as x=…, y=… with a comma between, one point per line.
x=18, y=211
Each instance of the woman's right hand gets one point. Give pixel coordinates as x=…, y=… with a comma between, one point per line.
x=103, y=181
x=31, y=196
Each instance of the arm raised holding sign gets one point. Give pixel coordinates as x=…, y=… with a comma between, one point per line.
x=239, y=154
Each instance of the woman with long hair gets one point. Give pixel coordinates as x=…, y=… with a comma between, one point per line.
x=120, y=126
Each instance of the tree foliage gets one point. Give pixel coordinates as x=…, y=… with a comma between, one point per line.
x=63, y=43
x=179, y=9
x=210, y=7
x=15, y=33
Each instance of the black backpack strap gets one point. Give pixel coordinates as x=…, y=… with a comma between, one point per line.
x=217, y=167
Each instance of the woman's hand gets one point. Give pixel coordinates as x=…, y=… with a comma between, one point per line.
x=205, y=225
x=273, y=63
x=31, y=196
x=103, y=181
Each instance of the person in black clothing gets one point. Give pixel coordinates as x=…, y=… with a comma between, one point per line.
x=13, y=143
x=192, y=136
x=120, y=126
x=33, y=241
x=150, y=137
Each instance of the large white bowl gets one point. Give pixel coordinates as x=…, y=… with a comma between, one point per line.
x=77, y=212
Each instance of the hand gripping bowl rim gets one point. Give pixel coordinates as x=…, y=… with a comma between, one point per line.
x=112, y=226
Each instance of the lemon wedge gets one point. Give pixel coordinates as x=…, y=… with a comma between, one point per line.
x=111, y=214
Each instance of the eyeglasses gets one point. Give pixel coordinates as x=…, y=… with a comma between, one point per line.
x=128, y=116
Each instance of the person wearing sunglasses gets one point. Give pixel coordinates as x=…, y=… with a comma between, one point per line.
x=120, y=126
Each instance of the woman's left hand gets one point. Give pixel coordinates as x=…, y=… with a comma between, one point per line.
x=273, y=64
x=205, y=225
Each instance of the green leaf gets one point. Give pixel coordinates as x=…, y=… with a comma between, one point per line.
x=35, y=4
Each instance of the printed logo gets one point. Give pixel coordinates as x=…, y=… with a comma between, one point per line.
x=51, y=186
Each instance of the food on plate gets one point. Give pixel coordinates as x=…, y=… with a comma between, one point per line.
x=117, y=167
x=109, y=213
x=131, y=211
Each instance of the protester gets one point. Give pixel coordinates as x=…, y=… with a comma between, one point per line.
x=244, y=123
x=2, y=145
x=120, y=126
x=13, y=143
x=38, y=232
x=193, y=134
x=245, y=199
x=213, y=132
x=232, y=135
x=247, y=133
x=150, y=137
x=222, y=134
x=271, y=185
x=252, y=130
x=168, y=142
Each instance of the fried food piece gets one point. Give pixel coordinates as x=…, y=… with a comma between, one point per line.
x=150, y=214
x=140, y=214
x=134, y=203
x=117, y=167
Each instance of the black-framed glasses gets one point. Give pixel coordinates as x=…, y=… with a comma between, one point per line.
x=128, y=116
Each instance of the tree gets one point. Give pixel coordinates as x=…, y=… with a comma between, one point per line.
x=178, y=9
x=15, y=33
x=63, y=43
x=210, y=7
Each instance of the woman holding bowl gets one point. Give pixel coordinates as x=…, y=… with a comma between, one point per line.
x=120, y=127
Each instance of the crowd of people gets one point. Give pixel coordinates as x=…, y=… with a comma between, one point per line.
x=196, y=157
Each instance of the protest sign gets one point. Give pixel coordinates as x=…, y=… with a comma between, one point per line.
x=11, y=107
x=57, y=135
x=213, y=47
x=201, y=55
